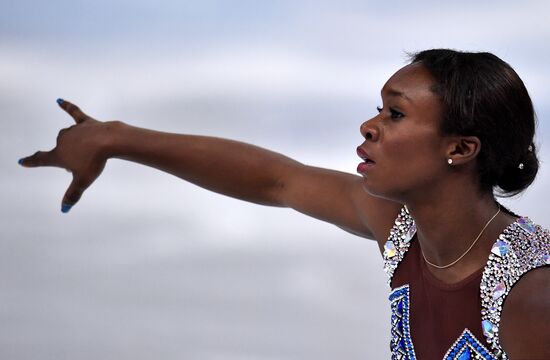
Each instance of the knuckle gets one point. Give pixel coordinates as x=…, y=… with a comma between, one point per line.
x=60, y=133
x=80, y=184
x=36, y=158
x=64, y=130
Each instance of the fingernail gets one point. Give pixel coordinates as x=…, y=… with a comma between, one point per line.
x=20, y=162
x=60, y=101
x=65, y=208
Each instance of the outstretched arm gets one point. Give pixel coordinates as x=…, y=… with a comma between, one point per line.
x=225, y=166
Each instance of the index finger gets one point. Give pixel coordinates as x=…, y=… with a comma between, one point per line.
x=73, y=110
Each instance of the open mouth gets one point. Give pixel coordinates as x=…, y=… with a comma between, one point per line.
x=367, y=163
x=363, y=155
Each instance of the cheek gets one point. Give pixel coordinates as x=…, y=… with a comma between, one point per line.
x=414, y=157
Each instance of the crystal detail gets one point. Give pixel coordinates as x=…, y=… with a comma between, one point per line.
x=389, y=249
x=399, y=241
x=527, y=225
x=499, y=290
x=410, y=234
x=521, y=247
x=546, y=259
x=487, y=327
x=500, y=248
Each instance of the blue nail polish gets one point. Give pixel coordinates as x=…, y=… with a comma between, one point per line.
x=65, y=208
x=20, y=161
x=60, y=101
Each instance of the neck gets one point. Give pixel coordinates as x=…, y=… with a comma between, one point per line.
x=449, y=222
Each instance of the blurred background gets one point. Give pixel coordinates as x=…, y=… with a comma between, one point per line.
x=147, y=266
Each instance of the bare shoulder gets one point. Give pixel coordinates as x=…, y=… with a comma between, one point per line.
x=525, y=321
x=376, y=213
x=338, y=198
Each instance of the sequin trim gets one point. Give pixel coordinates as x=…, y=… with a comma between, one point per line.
x=401, y=345
x=522, y=246
x=398, y=242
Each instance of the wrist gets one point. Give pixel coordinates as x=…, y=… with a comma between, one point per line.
x=114, y=136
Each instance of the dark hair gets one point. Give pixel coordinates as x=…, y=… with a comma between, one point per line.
x=483, y=96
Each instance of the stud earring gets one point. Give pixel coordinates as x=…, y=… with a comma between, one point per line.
x=450, y=161
x=520, y=166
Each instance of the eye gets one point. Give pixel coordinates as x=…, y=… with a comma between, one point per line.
x=396, y=114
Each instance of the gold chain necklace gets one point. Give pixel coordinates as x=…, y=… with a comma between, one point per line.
x=470, y=248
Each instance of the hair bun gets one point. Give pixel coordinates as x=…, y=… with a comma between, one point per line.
x=518, y=177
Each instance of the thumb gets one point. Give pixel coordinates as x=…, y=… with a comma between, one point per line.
x=72, y=195
x=39, y=158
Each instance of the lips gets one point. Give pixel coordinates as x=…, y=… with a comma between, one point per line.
x=363, y=155
x=368, y=162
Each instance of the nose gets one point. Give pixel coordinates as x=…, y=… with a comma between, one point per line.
x=369, y=130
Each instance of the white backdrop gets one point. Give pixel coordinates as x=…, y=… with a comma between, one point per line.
x=149, y=267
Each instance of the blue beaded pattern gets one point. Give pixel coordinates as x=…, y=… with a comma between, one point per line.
x=401, y=345
x=467, y=347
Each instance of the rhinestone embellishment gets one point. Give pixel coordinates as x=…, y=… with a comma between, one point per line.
x=523, y=246
x=389, y=249
x=398, y=243
x=487, y=327
x=407, y=237
x=499, y=290
x=527, y=225
x=500, y=248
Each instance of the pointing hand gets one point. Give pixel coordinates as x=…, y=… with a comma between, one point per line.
x=80, y=149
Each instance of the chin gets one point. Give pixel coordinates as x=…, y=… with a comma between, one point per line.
x=385, y=192
x=373, y=190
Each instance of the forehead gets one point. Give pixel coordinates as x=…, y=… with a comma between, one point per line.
x=412, y=82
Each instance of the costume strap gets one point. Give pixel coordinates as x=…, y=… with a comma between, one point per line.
x=523, y=246
x=398, y=242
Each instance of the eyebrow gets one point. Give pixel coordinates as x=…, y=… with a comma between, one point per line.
x=397, y=93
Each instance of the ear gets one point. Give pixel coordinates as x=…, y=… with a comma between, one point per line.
x=463, y=149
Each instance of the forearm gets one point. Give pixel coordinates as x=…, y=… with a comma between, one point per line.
x=229, y=167
x=225, y=166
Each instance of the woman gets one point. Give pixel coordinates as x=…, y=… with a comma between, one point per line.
x=453, y=128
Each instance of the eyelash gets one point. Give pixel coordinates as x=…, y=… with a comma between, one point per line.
x=394, y=114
